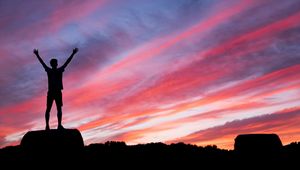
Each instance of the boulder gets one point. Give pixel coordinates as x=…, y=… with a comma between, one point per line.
x=66, y=143
x=257, y=144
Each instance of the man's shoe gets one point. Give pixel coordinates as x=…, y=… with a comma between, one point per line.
x=60, y=127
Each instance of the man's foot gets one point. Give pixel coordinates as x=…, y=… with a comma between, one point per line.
x=47, y=127
x=60, y=127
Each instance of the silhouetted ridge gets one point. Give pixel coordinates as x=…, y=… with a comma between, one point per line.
x=65, y=147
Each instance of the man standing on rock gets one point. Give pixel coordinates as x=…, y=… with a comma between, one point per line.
x=55, y=86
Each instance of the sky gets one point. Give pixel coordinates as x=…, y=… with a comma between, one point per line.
x=193, y=71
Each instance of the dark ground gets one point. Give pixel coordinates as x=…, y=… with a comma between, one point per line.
x=65, y=148
x=153, y=155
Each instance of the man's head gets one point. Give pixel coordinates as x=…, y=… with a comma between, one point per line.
x=53, y=63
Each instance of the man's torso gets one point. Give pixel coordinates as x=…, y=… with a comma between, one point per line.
x=55, y=79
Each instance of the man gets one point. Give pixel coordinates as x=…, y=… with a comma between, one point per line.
x=55, y=85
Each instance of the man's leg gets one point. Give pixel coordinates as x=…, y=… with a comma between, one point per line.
x=48, y=109
x=59, y=116
x=58, y=101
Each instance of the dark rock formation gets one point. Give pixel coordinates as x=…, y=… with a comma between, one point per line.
x=58, y=144
x=258, y=144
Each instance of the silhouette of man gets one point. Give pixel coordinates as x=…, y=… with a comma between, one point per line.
x=55, y=85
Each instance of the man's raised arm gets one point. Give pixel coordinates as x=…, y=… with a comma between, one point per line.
x=36, y=52
x=75, y=50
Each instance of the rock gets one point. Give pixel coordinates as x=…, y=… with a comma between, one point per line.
x=66, y=143
x=257, y=144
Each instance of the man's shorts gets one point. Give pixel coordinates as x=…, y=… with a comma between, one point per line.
x=56, y=96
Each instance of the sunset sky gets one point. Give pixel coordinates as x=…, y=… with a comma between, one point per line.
x=193, y=71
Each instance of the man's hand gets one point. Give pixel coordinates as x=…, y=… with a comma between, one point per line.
x=75, y=50
x=36, y=51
